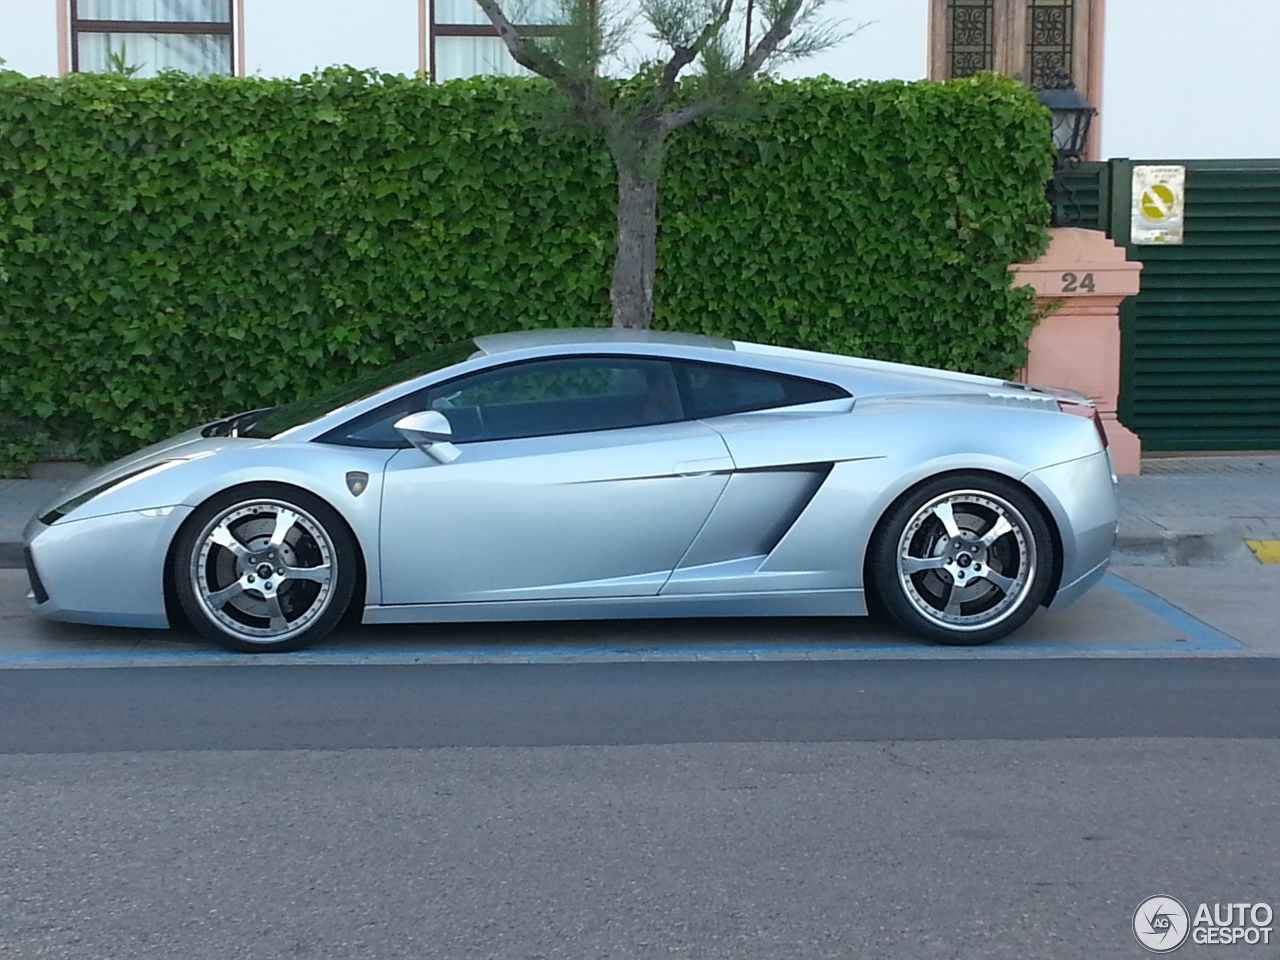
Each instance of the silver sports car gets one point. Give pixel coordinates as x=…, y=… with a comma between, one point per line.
x=565, y=474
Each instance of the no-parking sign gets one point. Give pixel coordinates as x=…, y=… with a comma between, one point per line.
x=1159, y=201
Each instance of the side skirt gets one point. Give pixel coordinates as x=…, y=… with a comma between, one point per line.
x=804, y=603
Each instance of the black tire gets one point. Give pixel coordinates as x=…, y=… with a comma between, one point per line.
x=265, y=568
x=962, y=559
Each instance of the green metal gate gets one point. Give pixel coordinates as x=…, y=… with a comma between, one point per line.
x=1200, y=345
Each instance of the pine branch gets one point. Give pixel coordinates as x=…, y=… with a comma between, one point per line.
x=581, y=92
x=778, y=31
x=683, y=56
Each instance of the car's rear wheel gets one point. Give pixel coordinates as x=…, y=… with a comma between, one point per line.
x=963, y=559
x=265, y=569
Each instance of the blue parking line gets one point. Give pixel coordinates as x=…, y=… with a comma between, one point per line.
x=1203, y=636
x=452, y=655
x=1200, y=637
x=111, y=656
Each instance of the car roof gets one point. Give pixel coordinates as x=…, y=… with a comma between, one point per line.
x=496, y=343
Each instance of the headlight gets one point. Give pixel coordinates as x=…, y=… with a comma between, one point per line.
x=62, y=509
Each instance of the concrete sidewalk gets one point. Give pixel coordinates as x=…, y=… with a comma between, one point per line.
x=1190, y=511
x=1182, y=511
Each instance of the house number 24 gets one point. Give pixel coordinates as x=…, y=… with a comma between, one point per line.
x=1071, y=283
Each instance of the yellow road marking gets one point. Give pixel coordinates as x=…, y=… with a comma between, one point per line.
x=1267, y=551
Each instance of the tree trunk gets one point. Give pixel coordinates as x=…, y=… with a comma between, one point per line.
x=633, y=266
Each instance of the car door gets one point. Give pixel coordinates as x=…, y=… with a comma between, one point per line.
x=784, y=435
x=577, y=477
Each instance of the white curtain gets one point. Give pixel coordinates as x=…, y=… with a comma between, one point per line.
x=459, y=11
x=153, y=52
x=172, y=11
x=521, y=12
x=458, y=57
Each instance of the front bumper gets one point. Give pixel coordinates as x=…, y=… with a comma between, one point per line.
x=106, y=570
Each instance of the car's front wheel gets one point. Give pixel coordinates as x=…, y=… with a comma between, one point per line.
x=963, y=559
x=264, y=569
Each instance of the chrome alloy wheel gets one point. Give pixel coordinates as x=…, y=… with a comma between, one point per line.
x=966, y=560
x=263, y=570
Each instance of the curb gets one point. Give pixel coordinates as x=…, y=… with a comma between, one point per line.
x=1173, y=548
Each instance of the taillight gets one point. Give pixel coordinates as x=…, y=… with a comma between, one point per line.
x=1083, y=408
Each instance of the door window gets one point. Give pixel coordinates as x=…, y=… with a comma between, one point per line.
x=534, y=399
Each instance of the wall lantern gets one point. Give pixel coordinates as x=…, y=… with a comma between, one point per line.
x=1072, y=114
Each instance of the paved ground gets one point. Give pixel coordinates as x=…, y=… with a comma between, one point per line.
x=762, y=811
x=966, y=850
x=1227, y=611
x=1193, y=510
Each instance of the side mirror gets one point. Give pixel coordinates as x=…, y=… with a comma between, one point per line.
x=430, y=432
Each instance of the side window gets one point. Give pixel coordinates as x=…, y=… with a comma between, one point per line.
x=711, y=390
x=550, y=397
x=534, y=399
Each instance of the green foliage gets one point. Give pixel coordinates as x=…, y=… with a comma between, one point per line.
x=179, y=248
x=20, y=444
x=871, y=219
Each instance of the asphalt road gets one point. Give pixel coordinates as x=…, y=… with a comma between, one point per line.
x=737, y=810
x=344, y=708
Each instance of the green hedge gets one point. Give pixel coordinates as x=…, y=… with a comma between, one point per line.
x=176, y=248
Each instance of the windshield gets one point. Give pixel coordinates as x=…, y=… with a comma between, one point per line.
x=304, y=411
